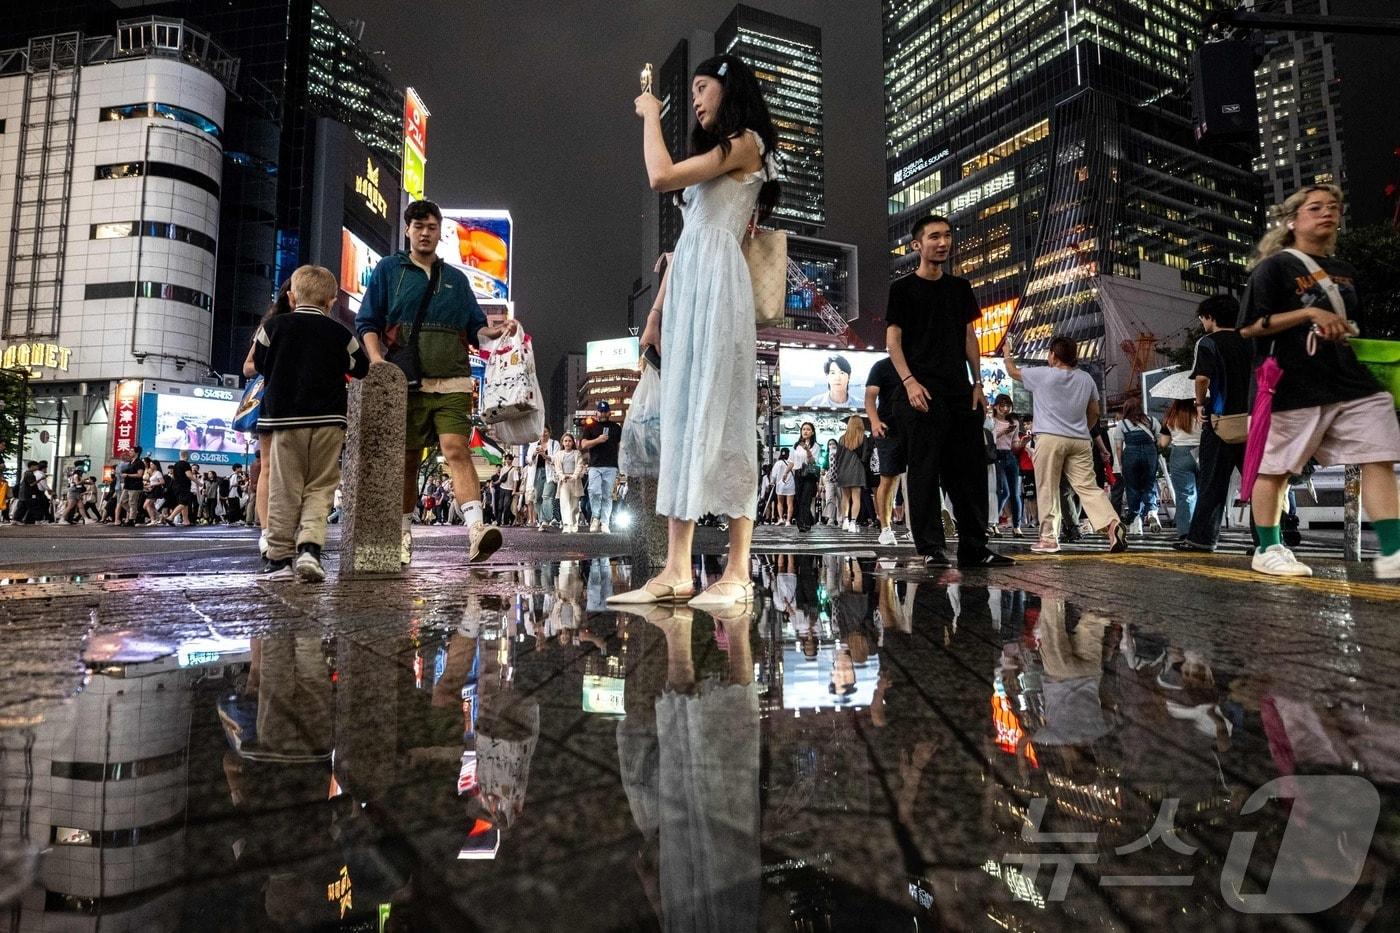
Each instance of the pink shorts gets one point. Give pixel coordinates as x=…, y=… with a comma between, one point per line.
x=1363, y=430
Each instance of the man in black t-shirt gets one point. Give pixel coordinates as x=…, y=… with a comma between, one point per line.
x=932, y=342
x=601, y=440
x=1221, y=371
x=132, y=473
x=891, y=457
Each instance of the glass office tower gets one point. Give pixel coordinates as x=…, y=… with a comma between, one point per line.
x=786, y=57
x=1056, y=136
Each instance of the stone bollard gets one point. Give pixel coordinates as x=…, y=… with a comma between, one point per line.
x=648, y=528
x=372, y=483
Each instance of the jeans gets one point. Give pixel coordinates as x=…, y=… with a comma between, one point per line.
x=1140, y=479
x=1183, y=470
x=1009, y=485
x=546, y=507
x=600, y=486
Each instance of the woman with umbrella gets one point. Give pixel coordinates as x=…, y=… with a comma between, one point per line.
x=1325, y=404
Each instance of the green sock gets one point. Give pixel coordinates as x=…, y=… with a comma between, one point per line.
x=1388, y=530
x=1269, y=535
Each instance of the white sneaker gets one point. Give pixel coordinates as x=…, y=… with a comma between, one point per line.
x=596, y=526
x=262, y=544
x=1136, y=527
x=406, y=549
x=484, y=542
x=1388, y=566
x=1279, y=561
x=606, y=530
x=1154, y=523
x=308, y=567
x=886, y=538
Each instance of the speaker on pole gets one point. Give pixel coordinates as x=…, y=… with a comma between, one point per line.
x=1224, y=100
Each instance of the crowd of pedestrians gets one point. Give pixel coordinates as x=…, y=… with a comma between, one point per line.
x=136, y=490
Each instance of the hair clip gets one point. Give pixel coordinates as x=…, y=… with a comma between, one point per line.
x=723, y=69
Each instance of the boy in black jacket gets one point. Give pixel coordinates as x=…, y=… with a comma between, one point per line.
x=304, y=358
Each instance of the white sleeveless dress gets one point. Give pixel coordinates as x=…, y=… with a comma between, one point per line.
x=709, y=395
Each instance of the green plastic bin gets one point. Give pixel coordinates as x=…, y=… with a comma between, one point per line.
x=1382, y=358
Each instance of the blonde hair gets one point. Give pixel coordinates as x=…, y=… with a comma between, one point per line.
x=314, y=286
x=1280, y=236
x=855, y=433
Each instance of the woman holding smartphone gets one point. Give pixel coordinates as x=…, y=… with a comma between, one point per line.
x=704, y=325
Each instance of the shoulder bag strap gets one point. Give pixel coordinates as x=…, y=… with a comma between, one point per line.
x=434, y=278
x=1334, y=294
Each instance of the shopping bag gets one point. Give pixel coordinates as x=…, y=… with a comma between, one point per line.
x=639, y=453
x=522, y=429
x=245, y=419
x=512, y=387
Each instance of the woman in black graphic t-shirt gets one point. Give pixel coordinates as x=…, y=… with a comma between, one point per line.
x=1327, y=406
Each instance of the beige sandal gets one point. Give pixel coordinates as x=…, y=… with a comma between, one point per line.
x=724, y=593
x=648, y=593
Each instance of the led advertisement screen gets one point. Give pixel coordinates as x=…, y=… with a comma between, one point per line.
x=357, y=262
x=479, y=243
x=824, y=378
x=602, y=355
x=829, y=425
x=199, y=420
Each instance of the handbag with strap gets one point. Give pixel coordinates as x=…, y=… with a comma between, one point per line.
x=405, y=356
x=766, y=254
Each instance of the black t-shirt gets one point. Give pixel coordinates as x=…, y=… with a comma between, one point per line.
x=1333, y=374
x=1224, y=358
x=133, y=475
x=604, y=454
x=932, y=316
x=180, y=483
x=884, y=377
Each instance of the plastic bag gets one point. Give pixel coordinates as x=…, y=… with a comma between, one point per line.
x=512, y=387
x=640, y=451
x=522, y=429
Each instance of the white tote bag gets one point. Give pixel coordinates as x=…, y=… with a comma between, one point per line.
x=512, y=387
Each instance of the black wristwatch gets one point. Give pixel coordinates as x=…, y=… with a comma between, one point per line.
x=1264, y=321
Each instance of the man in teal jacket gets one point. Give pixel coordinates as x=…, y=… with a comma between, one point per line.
x=440, y=409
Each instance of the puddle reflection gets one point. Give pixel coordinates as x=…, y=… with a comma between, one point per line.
x=865, y=747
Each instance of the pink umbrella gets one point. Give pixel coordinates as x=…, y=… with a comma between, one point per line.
x=1266, y=379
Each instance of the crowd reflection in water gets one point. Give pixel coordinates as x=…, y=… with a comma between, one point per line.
x=862, y=747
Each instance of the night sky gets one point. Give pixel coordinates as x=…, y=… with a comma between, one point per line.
x=532, y=111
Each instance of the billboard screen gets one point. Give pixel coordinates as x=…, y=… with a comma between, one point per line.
x=621, y=353
x=824, y=378
x=415, y=144
x=995, y=380
x=829, y=425
x=479, y=243
x=197, y=419
x=357, y=262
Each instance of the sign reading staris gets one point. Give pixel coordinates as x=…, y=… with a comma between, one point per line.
x=32, y=356
x=415, y=144
x=367, y=187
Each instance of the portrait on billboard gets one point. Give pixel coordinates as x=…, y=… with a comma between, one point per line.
x=199, y=424
x=830, y=378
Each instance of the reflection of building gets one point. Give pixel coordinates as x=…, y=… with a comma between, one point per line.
x=564, y=388
x=786, y=57
x=1051, y=138
x=109, y=212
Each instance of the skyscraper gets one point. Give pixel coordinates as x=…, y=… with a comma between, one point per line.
x=1057, y=138
x=1300, y=122
x=786, y=57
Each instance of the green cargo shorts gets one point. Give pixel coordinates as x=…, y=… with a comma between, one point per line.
x=433, y=414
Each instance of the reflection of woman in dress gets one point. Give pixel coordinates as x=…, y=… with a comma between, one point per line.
x=709, y=460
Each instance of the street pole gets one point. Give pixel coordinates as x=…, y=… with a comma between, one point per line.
x=1351, y=514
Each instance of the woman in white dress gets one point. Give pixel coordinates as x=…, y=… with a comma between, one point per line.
x=704, y=326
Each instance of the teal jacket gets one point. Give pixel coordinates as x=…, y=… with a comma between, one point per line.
x=449, y=328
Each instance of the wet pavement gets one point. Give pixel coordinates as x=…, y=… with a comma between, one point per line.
x=1146, y=742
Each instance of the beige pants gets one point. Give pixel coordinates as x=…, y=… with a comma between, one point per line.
x=568, y=507
x=303, y=469
x=1073, y=458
